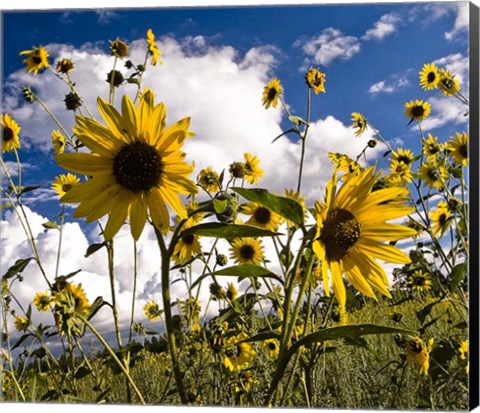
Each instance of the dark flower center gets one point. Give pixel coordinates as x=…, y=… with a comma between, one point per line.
x=262, y=215
x=272, y=346
x=66, y=187
x=247, y=252
x=418, y=111
x=431, y=77
x=340, y=233
x=433, y=148
x=7, y=134
x=442, y=219
x=405, y=159
x=463, y=149
x=433, y=174
x=272, y=93
x=36, y=58
x=419, y=280
x=188, y=239
x=137, y=166
x=415, y=346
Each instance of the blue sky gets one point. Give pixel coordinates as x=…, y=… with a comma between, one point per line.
x=216, y=61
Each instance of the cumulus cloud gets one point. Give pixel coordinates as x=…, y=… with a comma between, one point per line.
x=385, y=26
x=461, y=21
x=328, y=46
x=394, y=83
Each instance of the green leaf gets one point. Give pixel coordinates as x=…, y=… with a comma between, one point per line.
x=82, y=372
x=20, y=341
x=286, y=207
x=219, y=205
x=50, y=225
x=297, y=120
x=285, y=133
x=361, y=342
x=27, y=189
x=227, y=231
x=17, y=268
x=457, y=275
x=263, y=336
x=94, y=248
x=425, y=311
x=242, y=271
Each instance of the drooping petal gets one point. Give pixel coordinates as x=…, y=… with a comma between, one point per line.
x=382, y=251
x=158, y=210
x=337, y=283
x=85, y=163
x=116, y=219
x=99, y=183
x=138, y=216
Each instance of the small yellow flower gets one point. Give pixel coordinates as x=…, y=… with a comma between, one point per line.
x=400, y=172
x=440, y=219
x=21, y=324
x=417, y=110
x=247, y=251
x=447, y=83
x=153, y=49
x=208, y=180
x=63, y=183
x=420, y=281
x=429, y=76
x=344, y=163
x=238, y=355
x=433, y=174
x=458, y=148
x=315, y=80
x=58, y=142
x=37, y=59
x=431, y=148
x=419, y=353
x=186, y=248
x=271, y=92
x=261, y=216
x=231, y=292
x=10, y=131
x=272, y=348
x=64, y=66
x=42, y=301
x=152, y=310
x=463, y=349
x=251, y=169
x=404, y=155
x=119, y=48
x=359, y=122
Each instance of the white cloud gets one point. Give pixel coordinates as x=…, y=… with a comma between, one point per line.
x=446, y=110
x=461, y=21
x=381, y=87
x=328, y=46
x=458, y=64
x=385, y=26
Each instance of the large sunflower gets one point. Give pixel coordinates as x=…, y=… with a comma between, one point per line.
x=9, y=134
x=136, y=166
x=351, y=226
x=238, y=355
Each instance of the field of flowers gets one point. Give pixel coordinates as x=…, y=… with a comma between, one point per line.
x=322, y=323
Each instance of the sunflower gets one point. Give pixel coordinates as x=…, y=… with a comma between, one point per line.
x=190, y=310
x=136, y=164
x=186, y=247
x=42, y=301
x=64, y=183
x=247, y=251
x=152, y=310
x=262, y=217
x=271, y=92
x=153, y=49
x=400, y=172
x=252, y=171
x=417, y=110
x=431, y=147
x=315, y=80
x=64, y=66
x=272, y=348
x=359, y=122
x=433, y=174
x=344, y=163
x=420, y=281
x=458, y=148
x=21, y=324
x=453, y=204
x=10, y=131
x=82, y=306
x=238, y=355
x=350, y=227
x=231, y=292
x=429, y=77
x=419, y=353
x=37, y=59
x=58, y=142
x=447, y=83
x=208, y=180
x=404, y=155
x=463, y=349
x=119, y=48
x=440, y=219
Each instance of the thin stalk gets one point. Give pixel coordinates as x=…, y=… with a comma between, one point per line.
x=60, y=236
x=304, y=140
x=111, y=275
x=135, y=274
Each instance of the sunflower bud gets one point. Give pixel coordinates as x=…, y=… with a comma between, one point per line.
x=28, y=94
x=72, y=101
x=372, y=143
x=129, y=64
x=64, y=66
x=119, y=48
x=229, y=213
x=237, y=169
x=116, y=77
x=221, y=260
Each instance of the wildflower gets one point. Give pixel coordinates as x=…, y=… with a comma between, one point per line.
x=350, y=227
x=395, y=316
x=37, y=59
x=252, y=171
x=315, y=80
x=115, y=78
x=21, y=324
x=431, y=147
x=63, y=183
x=58, y=142
x=433, y=174
x=217, y=292
x=153, y=49
x=404, y=155
x=208, y=180
x=77, y=294
x=417, y=110
x=42, y=301
x=72, y=101
x=372, y=143
x=463, y=349
x=237, y=170
x=419, y=353
x=152, y=310
x=440, y=219
x=64, y=66
x=458, y=148
x=119, y=48
x=136, y=164
x=271, y=92
x=401, y=172
x=232, y=292
x=28, y=95
x=429, y=76
x=453, y=204
x=359, y=122
x=247, y=251
x=344, y=163
x=272, y=348
x=221, y=260
x=190, y=310
x=10, y=131
x=420, y=281
x=447, y=83
x=186, y=247
x=261, y=216
x=238, y=355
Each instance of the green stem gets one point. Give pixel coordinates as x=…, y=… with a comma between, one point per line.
x=111, y=275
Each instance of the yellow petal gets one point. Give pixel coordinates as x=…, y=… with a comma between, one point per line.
x=85, y=163
x=387, y=232
x=117, y=218
x=138, y=216
x=337, y=283
x=382, y=251
x=174, y=201
x=95, y=136
x=97, y=184
x=382, y=213
x=129, y=116
x=356, y=278
x=158, y=210
x=114, y=121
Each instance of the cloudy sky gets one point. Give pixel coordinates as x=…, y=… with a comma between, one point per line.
x=216, y=62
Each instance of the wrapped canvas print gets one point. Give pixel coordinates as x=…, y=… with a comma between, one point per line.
x=241, y=206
